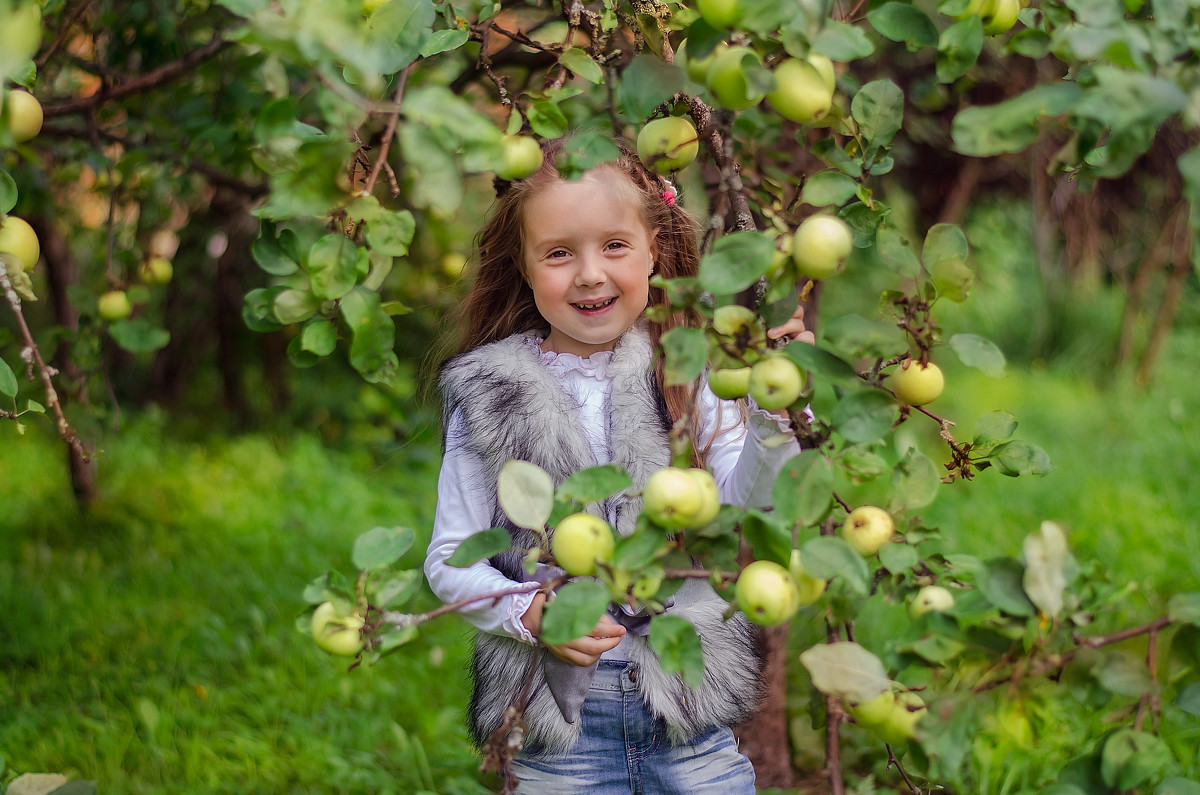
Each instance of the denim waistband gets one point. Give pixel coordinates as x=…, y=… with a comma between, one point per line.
x=616, y=675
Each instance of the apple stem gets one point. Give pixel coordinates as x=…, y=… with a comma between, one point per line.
x=892, y=760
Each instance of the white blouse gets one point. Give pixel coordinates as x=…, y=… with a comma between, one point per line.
x=744, y=465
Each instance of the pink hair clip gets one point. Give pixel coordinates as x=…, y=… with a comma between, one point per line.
x=668, y=196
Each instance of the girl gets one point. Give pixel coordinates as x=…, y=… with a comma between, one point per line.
x=556, y=368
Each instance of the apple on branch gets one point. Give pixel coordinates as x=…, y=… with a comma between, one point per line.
x=336, y=632
x=726, y=78
x=114, y=305
x=804, y=95
x=521, y=157
x=776, y=382
x=917, y=385
x=930, y=599
x=22, y=115
x=579, y=541
x=808, y=587
x=729, y=383
x=19, y=246
x=821, y=245
x=667, y=144
x=868, y=528
x=681, y=499
x=720, y=14
x=766, y=593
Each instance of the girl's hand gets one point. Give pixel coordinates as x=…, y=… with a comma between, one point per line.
x=793, y=329
x=582, y=651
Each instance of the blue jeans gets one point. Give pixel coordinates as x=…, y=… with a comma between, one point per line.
x=623, y=750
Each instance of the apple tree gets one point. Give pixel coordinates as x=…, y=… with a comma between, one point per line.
x=322, y=139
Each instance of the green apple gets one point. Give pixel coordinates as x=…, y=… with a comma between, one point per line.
x=710, y=504
x=1000, y=17
x=726, y=78
x=930, y=599
x=21, y=33
x=522, y=157
x=821, y=245
x=647, y=582
x=19, y=246
x=114, y=305
x=900, y=725
x=803, y=95
x=776, y=382
x=336, y=633
x=680, y=499
x=667, y=144
x=720, y=14
x=579, y=541
x=868, y=528
x=728, y=383
x=156, y=270
x=697, y=68
x=825, y=68
x=369, y=7
x=766, y=593
x=874, y=711
x=975, y=7
x=917, y=385
x=734, y=320
x=22, y=115
x=808, y=587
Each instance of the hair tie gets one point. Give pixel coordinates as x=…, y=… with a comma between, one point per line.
x=669, y=193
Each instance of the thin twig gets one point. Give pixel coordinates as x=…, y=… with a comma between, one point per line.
x=389, y=132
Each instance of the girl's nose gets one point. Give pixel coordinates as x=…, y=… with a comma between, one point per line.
x=590, y=272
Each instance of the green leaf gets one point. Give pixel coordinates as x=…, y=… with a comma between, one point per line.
x=1045, y=577
x=826, y=557
x=139, y=335
x=959, y=47
x=915, y=480
x=685, y=352
x=437, y=181
x=640, y=549
x=1021, y=458
x=937, y=649
x=878, y=107
x=1012, y=125
x=547, y=119
x=645, y=84
x=583, y=151
x=294, y=306
x=865, y=416
x=392, y=232
x=381, y=546
x=1188, y=699
x=842, y=42
x=397, y=589
x=35, y=407
x=898, y=557
x=319, y=337
x=821, y=363
x=1122, y=98
x=574, y=611
x=983, y=355
x=674, y=640
x=374, y=335
x=333, y=266
x=1184, y=608
x=526, y=494
x=803, y=491
x=395, y=637
x=1000, y=581
x=769, y=539
x=8, y=380
x=896, y=252
x=1173, y=785
x=845, y=670
x=578, y=61
x=594, y=484
x=904, y=23
x=856, y=337
x=398, y=31
x=828, y=187
x=480, y=545
x=1132, y=757
x=736, y=262
x=444, y=41
x=8, y=193
x=994, y=427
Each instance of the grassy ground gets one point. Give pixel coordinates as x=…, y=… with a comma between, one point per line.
x=149, y=644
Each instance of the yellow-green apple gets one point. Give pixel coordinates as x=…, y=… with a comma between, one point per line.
x=917, y=385
x=868, y=528
x=678, y=499
x=825, y=68
x=337, y=633
x=726, y=78
x=776, y=382
x=22, y=115
x=803, y=94
x=369, y=7
x=710, y=504
x=766, y=593
x=975, y=7
x=720, y=14
x=900, y=725
x=667, y=144
x=874, y=711
x=156, y=270
x=821, y=244
x=1000, y=16
x=19, y=246
x=114, y=305
x=21, y=33
x=733, y=320
x=808, y=587
x=930, y=599
x=697, y=68
x=521, y=157
x=728, y=383
x=579, y=541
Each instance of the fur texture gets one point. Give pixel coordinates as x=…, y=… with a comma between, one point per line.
x=513, y=407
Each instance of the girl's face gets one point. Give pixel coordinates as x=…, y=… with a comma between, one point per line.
x=588, y=257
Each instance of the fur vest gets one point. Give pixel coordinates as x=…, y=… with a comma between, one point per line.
x=513, y=407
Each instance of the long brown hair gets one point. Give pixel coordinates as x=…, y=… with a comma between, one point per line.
x=500, y=302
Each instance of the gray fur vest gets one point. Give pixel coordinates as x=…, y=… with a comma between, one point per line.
x=513, y=407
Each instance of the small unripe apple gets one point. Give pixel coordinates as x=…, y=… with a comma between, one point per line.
x=874, y=711
x=336, y=633
x=697, y=68
x=821, y=244
x=868, y=528
x=917, y=385
x=369, y=7
x=21, y=33
x=720, y=14
x=766, y=593
x=728, y=383
x=825, y=69
x=803, y=95
x=808, y=587
x=900, y=725
x=710, y=503
x=579, y=541
x=734, y=320
x=114, y=305
x=156, y=270
x=1000, y=16
x=522, y=157
x=19, y=246
x=726, y=78
x=776, y=382
x=22, y=115
x=667, y=144
x=681, y=499
x=930, y=599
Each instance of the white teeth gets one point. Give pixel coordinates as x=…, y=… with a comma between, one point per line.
x=596, y=306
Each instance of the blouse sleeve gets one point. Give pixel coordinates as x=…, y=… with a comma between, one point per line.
x=463, y=509
x=748, y=449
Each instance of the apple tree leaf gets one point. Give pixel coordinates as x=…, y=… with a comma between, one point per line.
x=1131, y=757
x=1045, y=568
x=392, y=232
x=381, y=546
x=8, y=192
x=1000, y=580
x=685, y=352
x=647, y=83
x=1122, y=673
x=819, y=362
x=526, y=494
x=977, y=352
x=845, y=670
x=1019, y=457
x=1184, y=608
x=865, y=416
x=916, y=479
x=574, y=611
x=842, y=42
x=768, y=538
x=828, y=187
x=993, y=428
x=271, y=257
x=1188, y=699
x=594, y=483
x=444, y=41
x=1012, y=125
x=896, y=252
x=959, y=47
x=803, y=490
x=640, y=549
x=904, y=23
x=481, y=545
x=372, y=347
x=578, y=61
x=397, y=589
x=826, y=557
x=736, y=261
x=878, y=107
x=139, y=335
x=1173, y=785
x=8, y=380
x=674, y=640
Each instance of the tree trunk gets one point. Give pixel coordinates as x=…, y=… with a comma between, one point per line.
x=764, y=738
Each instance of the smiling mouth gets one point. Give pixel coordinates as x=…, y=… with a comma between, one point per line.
x=594, y=306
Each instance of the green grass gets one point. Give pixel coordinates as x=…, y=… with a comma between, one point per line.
x=150, y=644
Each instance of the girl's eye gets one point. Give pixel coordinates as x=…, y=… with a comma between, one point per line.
x=614, y=245
x=558, y=253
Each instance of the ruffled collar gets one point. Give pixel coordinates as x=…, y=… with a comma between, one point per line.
x=594, y=366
